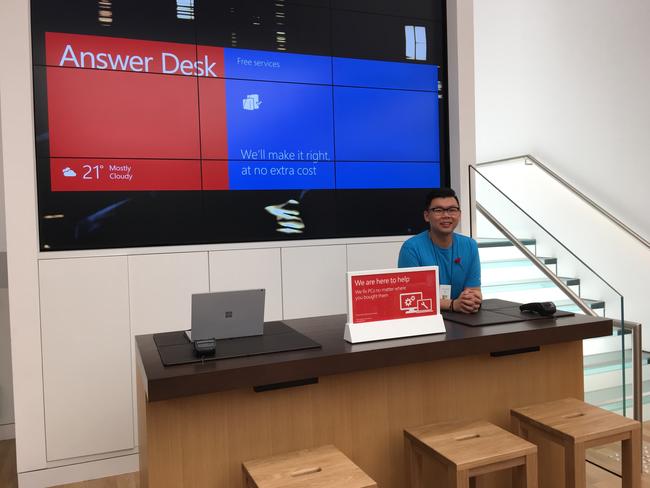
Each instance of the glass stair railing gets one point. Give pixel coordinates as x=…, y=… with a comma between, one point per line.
x=521, y=261
x=509, y=275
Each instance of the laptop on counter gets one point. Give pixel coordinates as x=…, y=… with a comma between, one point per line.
x=227, y=314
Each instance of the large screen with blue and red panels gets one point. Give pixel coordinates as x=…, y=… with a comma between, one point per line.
x=164, y=123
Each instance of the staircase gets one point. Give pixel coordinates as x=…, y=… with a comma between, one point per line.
x=507, y=274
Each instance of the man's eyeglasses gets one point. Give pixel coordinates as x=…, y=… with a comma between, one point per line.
x=440, y=211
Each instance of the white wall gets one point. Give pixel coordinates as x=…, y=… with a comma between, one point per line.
x=567, y=83
x=36, y=316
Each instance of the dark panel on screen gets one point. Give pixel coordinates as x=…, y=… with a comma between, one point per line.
x=264, y=25
x=403, y=8
x=373, y=36
x=380, y=212
x=242, y=216
x=140, y=19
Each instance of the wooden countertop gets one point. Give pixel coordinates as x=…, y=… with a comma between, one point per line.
x=337, y=356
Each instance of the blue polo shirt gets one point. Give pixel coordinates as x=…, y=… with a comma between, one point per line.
x=459, y=265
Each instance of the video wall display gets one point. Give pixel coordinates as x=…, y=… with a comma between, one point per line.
x=186, y=122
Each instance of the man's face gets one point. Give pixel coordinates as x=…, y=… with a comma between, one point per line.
x=443, y=215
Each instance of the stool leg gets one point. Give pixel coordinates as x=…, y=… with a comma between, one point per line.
x=525, y=476
x=413, y=465
x=631, y=460
x=517, y=428
x=575, y=471
x=457, y=479
x=248, y=482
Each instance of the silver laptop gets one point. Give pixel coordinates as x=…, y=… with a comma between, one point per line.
x=227, y=314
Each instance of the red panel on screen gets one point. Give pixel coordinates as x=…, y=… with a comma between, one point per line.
x=124, y=174
x=214, y=132
x=110, y=53
x=114, y=114
x=215, y=175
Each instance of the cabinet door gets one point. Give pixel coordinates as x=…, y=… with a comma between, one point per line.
x=313, y=281
x=86, y=356
x=247, y=269
x=379, y=255
x=161, y=288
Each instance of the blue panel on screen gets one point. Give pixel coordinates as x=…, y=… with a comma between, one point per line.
x=279, y=121
x=280, y=175
x=386, y=125
x=385, y=74
x=271, y=66
x=387, y=175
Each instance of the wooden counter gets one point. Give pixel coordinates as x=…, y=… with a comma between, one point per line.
x=198, y=422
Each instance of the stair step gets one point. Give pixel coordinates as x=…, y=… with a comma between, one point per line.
x=602, y=345
x=548, y=294
x=610, y=398
x=486, y=242
x=592, y=304
x=612, y=378
x=530, y=284
x=498, y=249
x=513, y=262
x=604, y=361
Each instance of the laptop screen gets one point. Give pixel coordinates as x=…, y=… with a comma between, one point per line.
x=227, y=314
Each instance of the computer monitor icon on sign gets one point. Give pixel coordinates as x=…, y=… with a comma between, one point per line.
x=408, y=302
x=415, y=303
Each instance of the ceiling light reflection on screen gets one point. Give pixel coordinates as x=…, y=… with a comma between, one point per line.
x=185, y=9
x=288, y=219
x=105, y=12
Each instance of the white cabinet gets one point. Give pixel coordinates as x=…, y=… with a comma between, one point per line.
x=161, y=288
x=247, y=269
x=381, y=255
x=313, y=281
x=86, y=356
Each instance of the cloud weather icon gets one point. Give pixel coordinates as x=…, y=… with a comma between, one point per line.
x=69, y=172
x=251, y=102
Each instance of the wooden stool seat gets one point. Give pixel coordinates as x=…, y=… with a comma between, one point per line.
x=321, y=467
x=469, y=449
x=578, y=426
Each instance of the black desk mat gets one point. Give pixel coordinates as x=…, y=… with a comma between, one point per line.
x=175, y=348
x=504, y=313
x=480, y=318
x=515, y=312
x=497, y=303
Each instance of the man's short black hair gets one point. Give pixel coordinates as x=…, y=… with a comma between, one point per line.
x=440, y=193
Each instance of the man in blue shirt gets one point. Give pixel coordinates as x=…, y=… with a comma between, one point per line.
x=456, y=255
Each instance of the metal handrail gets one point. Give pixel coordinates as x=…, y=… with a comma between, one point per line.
x=535, y=260
x=637, y=378
x=573, y=189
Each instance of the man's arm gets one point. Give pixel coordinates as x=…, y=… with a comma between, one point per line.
x=469, y=301
x=407, y=257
